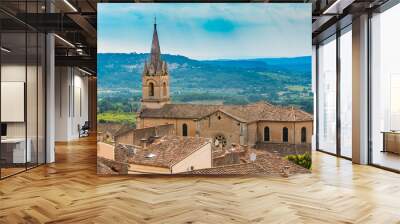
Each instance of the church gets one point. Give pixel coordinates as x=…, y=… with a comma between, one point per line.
x=256, y=125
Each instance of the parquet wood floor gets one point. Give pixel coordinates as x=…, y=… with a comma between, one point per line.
x=69, y=191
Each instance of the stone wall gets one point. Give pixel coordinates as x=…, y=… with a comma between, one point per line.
x=283, y=149
x=134, y=136
x=177, y=123
x=227, y=159
x=276, y=131
x=220, y=124
x=160, y=91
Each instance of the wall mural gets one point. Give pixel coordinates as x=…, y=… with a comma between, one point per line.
x=204, y=89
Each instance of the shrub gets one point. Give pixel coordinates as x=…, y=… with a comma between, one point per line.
x=116, y=117
x=303, y=160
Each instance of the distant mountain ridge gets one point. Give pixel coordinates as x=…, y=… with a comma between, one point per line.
x=127, y=68
x=285, y=81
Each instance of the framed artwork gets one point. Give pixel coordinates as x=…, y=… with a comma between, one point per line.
x=204, y=89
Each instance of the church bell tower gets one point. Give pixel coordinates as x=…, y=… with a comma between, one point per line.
x=155, y=77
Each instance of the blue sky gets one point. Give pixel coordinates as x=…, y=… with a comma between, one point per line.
x=207, y=31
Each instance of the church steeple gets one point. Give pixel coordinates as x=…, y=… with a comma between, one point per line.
x=155, y=66
x=155, y=78
x=155, y=47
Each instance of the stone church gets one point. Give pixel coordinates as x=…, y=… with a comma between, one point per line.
x=250, y=125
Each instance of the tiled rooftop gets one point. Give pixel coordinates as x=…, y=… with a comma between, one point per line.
x=265, y=164
x=168, y=150
x=245, y=113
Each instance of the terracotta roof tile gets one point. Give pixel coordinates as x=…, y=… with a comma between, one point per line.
x=236, y=169
x=244, y=113
x=265, y=164
x=188, y=111
x=168, y=150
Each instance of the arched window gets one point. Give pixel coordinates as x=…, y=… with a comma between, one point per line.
x=220, y=141
x=151, y=89
x=266, y=134
x=184, y=130
x=164, y=89
x=285, y=134
x=303, y=135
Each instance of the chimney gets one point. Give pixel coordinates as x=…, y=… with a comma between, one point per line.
x=155, y=132
x=143, y=143
x=234, y=147
x=245, y=147
x=285, y=171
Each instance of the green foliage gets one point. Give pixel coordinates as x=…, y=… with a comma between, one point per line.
x=295, y=88
x=282, y=81
x=303, y=160
x=117, y=117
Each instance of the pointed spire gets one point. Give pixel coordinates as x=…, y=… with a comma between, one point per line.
x=155, y=48
x=154, y=65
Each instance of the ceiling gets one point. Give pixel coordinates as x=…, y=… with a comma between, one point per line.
x=75, y=22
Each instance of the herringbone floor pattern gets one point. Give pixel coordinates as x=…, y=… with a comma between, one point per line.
x=69, y=191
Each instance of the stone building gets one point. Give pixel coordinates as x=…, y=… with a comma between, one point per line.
x=253, y=124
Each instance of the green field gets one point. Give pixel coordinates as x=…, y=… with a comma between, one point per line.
x=296, y=88
x=280, y=81
x=117, y=117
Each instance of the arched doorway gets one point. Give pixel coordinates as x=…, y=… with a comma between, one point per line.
x=151, y=89
x=303, y=135
x=184, y=130
x=285, y=134
x=266, y=134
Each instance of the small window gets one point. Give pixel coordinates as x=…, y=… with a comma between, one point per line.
x=241, y=126
x=303, y=135
x=266, y=134
x=164, y=89
x=151, y=89
x=184, y=130
x=220, y=141
x=285, y=134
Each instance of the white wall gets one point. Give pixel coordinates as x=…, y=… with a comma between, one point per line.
x=33, y=126
x=17, y=73
x=12, y=73
x=62, y=81
x=71, y=102
x=201, y=159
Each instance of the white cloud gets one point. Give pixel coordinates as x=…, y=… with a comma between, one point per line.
x=263, y=29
